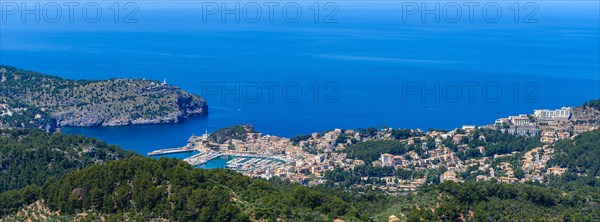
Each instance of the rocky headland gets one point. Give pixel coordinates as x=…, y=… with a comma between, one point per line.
x=56, y=102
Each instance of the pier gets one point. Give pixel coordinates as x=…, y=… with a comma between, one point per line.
x=202, y=158
x=170, y=151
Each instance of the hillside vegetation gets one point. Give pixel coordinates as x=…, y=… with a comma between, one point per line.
x=113, y=102
x=30, y=157
x=146, y=189
x=237, y=132
x=580, y=155
x=490, y=201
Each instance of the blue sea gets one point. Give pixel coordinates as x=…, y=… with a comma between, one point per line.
x=354, y=64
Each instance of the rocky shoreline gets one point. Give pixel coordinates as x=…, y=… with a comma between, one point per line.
x=75, y=118
x=69, y=120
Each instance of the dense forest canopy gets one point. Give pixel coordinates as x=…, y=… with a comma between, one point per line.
x=490, y=201
x=29, y=157
x=145, y=188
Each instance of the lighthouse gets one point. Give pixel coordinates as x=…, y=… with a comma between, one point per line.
x=164, y=81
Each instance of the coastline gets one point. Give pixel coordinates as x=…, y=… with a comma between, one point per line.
x=546, y=126
x=47, y=101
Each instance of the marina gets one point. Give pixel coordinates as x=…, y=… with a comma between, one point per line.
x=242, y=163
x=202, y=153
x=253, y=164
x=235, y=163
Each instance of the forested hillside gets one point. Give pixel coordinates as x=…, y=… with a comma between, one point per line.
x=580, y=155
x=490, y=201
x=233, y=132
x=30, y=157
x=145, y=189
x=15, y=115
x=370, y=151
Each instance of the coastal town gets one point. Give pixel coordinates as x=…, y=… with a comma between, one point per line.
x=430, y=157
x=300, y=111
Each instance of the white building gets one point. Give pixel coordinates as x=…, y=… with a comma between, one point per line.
x=469, y=127
x=520, y=120
x=387, y=159
x=545, y=114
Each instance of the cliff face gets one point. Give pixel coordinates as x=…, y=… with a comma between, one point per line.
x=115, y=102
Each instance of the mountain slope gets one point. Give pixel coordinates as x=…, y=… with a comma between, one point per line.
x=147, y=189
x=30, y=157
